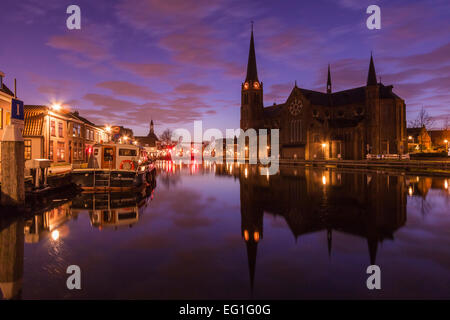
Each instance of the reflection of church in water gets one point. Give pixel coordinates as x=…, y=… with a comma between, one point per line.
x=367, y=205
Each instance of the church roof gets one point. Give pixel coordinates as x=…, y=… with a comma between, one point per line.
x=335, y=99
x=273, y=111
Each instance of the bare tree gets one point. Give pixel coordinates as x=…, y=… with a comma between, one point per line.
x=446, y=123
x=166, y=136
x=423, y=120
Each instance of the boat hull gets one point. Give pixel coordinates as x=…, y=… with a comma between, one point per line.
x=101, y=180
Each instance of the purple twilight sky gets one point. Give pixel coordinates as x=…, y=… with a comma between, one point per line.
x=176, y=61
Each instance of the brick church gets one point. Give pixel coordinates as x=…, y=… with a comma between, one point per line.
x=346, y=124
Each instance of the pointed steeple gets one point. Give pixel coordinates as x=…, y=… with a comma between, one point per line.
x=329, y=80
x=152, y=129
x=372, y=76
x=252, y=73
x=252, y=249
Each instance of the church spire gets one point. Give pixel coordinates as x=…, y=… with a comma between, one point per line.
x=329, y=80
x=252, y=73
x=372, y=76
x=252, y=250
x=152, y=128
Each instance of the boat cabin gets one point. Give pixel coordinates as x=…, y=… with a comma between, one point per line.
x=117, y=156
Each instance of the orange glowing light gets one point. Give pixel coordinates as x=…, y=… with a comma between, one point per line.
x=246, y=237
x=256, y=236
x=55, y=235
x=56, y=106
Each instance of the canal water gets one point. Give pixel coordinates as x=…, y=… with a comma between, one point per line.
x=228, y=231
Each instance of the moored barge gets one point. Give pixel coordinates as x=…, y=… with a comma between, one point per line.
x=115, y=168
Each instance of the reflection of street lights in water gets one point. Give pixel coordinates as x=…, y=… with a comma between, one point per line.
x=410, y=191
x=55, y=235
x=446, y=184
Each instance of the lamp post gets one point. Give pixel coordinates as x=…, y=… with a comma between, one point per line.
x=108, y=132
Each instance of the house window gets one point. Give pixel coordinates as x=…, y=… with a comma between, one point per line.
x=60, y=129
x=52, y=128
x=1, y=118
x=80, y=151
x=50, y=151
x=75, y=151
x=60, y=154
x=27, y=147
x=76, y=130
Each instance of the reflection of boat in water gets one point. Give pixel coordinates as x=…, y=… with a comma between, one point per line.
x=111, y=209
x=115, y=167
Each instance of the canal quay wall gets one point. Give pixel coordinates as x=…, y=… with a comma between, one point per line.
x=421, y=167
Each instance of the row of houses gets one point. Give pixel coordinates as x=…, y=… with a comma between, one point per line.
x=52, y=132
x=55, y=133
x=423, y=140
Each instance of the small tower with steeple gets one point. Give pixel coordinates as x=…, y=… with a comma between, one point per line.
x=152, y=128
x=251, y=92
x=329, y=80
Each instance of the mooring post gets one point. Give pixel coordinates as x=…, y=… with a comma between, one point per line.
x=11, y=258
x=13, y=166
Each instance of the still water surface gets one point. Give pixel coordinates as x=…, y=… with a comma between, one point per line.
x=223, y=231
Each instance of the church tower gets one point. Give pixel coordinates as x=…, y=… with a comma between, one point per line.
x=251, y=93
x=152, y=128
x=373, y=143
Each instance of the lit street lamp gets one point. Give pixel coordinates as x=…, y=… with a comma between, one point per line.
x=56, y=107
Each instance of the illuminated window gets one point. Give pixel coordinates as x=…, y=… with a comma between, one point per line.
x=27, y=148
x=50, y=152
x=1, y=118
x=60, y=152
x=60, y=129
x=80, y=151
x=52, y=128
